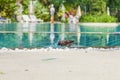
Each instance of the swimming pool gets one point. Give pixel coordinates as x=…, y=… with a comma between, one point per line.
x=39, y=35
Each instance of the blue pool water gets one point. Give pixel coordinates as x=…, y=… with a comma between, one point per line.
x=39, y=35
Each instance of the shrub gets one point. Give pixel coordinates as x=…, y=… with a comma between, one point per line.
x=98, y=18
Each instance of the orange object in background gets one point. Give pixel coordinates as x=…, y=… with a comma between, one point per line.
x=52, y=19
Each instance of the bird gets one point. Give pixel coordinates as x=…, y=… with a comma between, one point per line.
x=65, y=42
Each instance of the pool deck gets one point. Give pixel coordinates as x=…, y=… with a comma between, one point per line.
x=66, y=64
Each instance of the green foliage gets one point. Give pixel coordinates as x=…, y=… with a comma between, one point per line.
x=98, y=18
x=94, y=7
x=7, y=8
x=113, y=3
x=97, y=7
x=61, y=13
x=42, y=12
x=48, y=2
x=25, y=4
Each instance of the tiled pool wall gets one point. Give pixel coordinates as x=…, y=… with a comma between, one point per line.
x=38, y=35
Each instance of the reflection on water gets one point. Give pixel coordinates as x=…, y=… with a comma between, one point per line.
x=37, y=35
x=52, y=36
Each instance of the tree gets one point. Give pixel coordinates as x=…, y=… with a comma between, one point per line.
x=114, y=8
x=97, y=7
x=94, y=7
x=7, y=8
x=113, y=3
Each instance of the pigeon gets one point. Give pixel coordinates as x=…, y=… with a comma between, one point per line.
x=65, y=42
